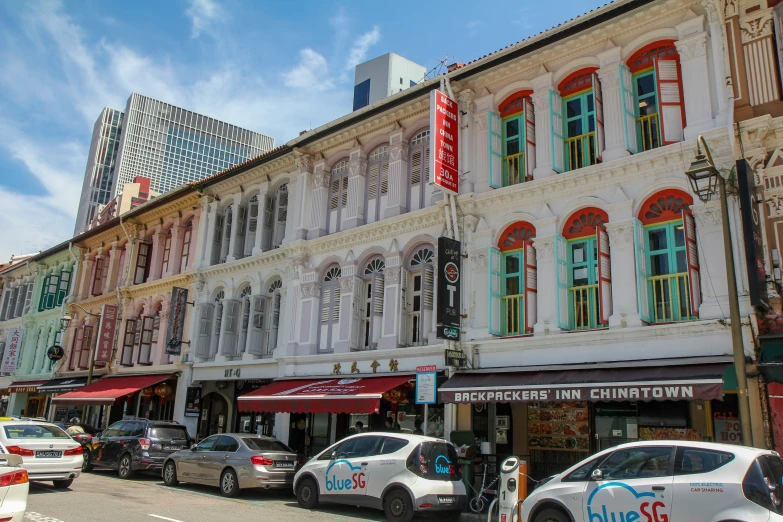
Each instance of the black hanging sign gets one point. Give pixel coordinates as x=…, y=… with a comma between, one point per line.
x=449, y=272
x=750, y=197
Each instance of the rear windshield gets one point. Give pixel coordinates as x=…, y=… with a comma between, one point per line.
x=435, y=461
x=257, y=444
x=28, y=431
x=168, y=432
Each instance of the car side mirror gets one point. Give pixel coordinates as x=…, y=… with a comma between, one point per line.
x=597, y=474
x=194, y=447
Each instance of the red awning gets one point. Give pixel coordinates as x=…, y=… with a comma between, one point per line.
x=25, y=386
x=109, y=389
x=337, y=395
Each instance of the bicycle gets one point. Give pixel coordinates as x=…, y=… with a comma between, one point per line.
x=481, y=500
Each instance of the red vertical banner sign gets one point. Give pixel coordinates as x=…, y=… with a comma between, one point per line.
x=108, y=328
x=444, y=142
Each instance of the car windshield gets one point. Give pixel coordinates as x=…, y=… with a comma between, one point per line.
x=168, y=432
x=33, y=431
x=258, y=444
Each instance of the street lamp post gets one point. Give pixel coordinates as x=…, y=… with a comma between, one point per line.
x=705, y=179
x=64, y=322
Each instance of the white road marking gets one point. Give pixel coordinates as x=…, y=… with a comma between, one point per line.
x=163, y=518
x=37, y=517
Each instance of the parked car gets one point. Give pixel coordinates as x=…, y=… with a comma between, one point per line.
x=14, y=487
x=657, y=481
x=234, y=461
x=399, y=473
x=48, y=453
x=132, y=445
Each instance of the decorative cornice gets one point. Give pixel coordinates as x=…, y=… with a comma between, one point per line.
x=545, y=247
x=398, y=151
x=321, y=180
x=693, y=47
x=707, y=216
x=754, y=28
x=310, y=290
x=620, y=232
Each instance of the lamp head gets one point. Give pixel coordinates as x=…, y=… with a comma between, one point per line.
x=703, y=177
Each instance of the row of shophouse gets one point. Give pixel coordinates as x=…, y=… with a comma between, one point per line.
x=593, y=282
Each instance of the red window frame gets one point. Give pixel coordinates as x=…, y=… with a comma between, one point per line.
x=97, y=278
x=584, y=222
x=76, y=346
x=515, y=235
x=664, y=205
x=128, y=342
x=146, y=328
x=84, y=355
x=166, y=253
x=186, y=239
x=142, y=263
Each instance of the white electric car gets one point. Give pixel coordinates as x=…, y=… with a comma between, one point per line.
x=662, y=481
x=397, y=472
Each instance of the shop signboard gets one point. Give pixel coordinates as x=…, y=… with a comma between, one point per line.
x=106, y=332
x=728, y=431
x=426, y=388
x=444, y=142
x=12, y=350
x=449, y=270
x=456, y=358
x=176, y=326
x=192, y=401
x=750, y=197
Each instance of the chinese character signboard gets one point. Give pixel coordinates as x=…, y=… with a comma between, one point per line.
x=108, y=328
x=444, y=142
x=12, y=348
x=449, y=269
x=750, y=196
x=176, y=326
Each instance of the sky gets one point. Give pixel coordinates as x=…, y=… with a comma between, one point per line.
x=275, y=67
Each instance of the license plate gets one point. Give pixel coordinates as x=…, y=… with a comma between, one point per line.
x=172, y=448
x=281, y=464
x=48, y=454
x=446, y=500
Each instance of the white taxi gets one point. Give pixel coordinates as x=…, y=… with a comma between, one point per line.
x=14, y=487
x=48, y=453
x=662, y=481
x=396, y=472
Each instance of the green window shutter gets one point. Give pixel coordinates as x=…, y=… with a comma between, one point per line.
x=641, y=270
x=556, y=131
x=42, y=301
x=495, y=150
x=561, y=280
x=63, y=286
x=494, y=291
x=629, y=109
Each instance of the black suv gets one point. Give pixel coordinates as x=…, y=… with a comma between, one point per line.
x=132, y=445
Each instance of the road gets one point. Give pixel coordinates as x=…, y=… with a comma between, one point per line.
x=100, y=495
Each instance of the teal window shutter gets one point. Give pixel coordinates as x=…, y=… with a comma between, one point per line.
x=629, y=109
x=44, y=287
x=495, y=292
x=561, y=280
x=556, y=131
x=641, y=271
x=495, y=150
x=63, y=286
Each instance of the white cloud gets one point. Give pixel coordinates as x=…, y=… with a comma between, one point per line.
x=311, y=73
x=203, y=14
x=473, y=28
x=360, y=47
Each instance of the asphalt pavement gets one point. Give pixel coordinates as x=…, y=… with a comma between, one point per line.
x=101, y=496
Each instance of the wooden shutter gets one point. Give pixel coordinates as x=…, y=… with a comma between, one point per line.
x=206, y=311
x=692, y=257
x=230, y=333
x=384, y=178
x=28, y=295
x=599, y=117
x=416, y=167
x=561, y=282
x=378, y=288
x=403, y=336
x=336, y=304
x=282, y=216
x=41, y=300
x=128, y=343
x=226, y=239
x=670, y=99
x=628, y=101
x=257, y=323
x=326, y=302
x=604, y=274
x=372, y=181
x=20, y=292
x=556, y=131
x=252, y=226
x=97, y=279
x=530, y=137
x=142, y=262
x=531, y=286
x=428, y=287
x=76, y=347
x=63, y=285
x=641, y=270
x=495, y=149
x=84, y=355
x=145, y=339
x=495, y=295
x=217, y=239
x=239, y=246
x=266, y=232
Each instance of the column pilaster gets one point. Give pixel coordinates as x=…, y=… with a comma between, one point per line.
x=614, y=128
x=625, y=306
x=541, y=87
x=397, y=199
x=357, y=170
x=697, y=93
x=321, y=177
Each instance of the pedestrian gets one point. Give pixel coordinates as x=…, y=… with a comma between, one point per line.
x=297, y=438
x=417, y=427
x=388, y=424
x=359, y=427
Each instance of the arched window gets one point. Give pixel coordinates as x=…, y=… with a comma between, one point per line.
x=371, y=303
x=186, y=240
x=512, y=281
x=330, y=309
x=150, y=327
x=166, y=253
x=584, y=292
x=582, y=119
x=129, y=340
x=99, y=269
x=143, y=262
x=377, y=183
x=210, y=316
x=246, y=305
x=667, y=263
x=80, y=348
x=651, y=86
x=275, y=216
x=217, y=322
x=272, y=325
x=419, y=168
x=417, y=292
x=512, y=141
x=338, y=196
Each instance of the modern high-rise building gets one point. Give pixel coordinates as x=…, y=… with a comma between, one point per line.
x=156, y=140
x=383, y=76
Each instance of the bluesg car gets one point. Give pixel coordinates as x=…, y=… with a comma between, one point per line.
x=663, y=481
x=397, y=472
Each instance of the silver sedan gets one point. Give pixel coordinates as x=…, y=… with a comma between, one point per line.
x=234, y=461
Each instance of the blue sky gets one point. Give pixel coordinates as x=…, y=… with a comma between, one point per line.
x=271, y=66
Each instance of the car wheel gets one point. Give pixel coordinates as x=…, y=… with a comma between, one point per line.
x=170, y=474
x=551, y=515
x=397, y=506
x=229, y=485
x=63, y=484
x=126, y=467
x=307, y=494
x=87, y=464
x=476, y=504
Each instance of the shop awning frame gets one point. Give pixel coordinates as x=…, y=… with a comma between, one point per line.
x=25, y=386
x=109, y=389
x=63, y=385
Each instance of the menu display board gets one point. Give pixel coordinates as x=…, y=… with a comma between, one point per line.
x=561, y=426
x=669, y=434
